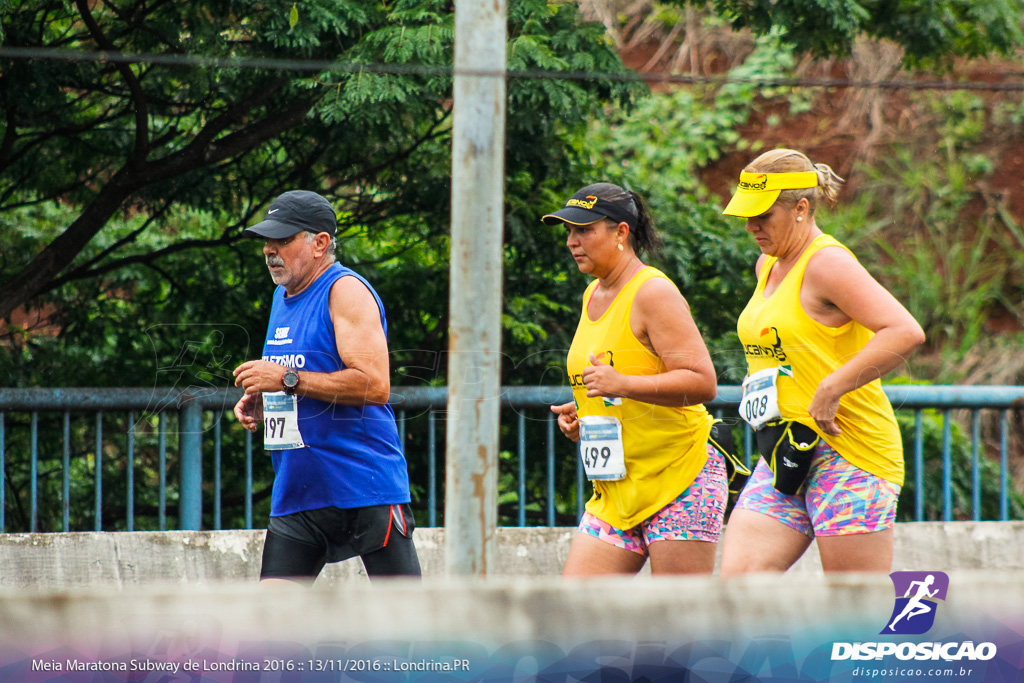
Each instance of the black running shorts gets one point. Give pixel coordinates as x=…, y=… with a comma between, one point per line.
x=298, y=545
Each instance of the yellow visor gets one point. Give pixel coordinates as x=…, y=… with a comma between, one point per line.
x=758, y=191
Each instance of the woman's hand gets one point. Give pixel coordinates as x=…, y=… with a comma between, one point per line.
x=602, y=380
x=568, y=422
x=823, y=409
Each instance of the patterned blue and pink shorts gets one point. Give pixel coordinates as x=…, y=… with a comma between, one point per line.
x=694, y=515
x=838, y=498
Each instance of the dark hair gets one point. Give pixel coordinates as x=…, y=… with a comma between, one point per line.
x=643, y=237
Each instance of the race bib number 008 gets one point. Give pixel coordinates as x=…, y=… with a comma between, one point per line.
x=281, y=422
x=760, y=402
x=601, y=448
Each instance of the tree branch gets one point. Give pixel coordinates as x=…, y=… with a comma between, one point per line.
x=138, y=97
x=147, y=259
x=127, y=239
x=37, y=275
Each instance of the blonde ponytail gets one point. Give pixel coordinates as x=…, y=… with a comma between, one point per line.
x=828, y=183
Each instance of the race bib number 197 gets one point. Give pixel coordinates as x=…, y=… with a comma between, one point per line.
x=280, y=422
x=601, y=447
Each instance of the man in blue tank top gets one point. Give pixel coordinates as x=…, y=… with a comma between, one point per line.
x=320, y=392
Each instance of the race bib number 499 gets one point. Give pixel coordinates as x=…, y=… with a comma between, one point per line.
x=280, y=422
x=601, y=448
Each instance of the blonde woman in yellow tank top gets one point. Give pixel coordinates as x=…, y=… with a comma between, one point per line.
x=640, y=371
x=818, y=334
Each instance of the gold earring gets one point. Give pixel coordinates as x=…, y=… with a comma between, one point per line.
x=620, y=246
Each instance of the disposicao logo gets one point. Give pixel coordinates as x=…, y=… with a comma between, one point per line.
x=917, y=596
x=914, y=612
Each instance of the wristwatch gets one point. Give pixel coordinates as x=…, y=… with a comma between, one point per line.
x=290, y=381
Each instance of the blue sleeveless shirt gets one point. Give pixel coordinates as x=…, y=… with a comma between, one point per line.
x=353, y=456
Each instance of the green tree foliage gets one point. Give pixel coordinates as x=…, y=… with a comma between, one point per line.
x=930, y=33
x=114, y=138
x=939, y=235
x=155, y=166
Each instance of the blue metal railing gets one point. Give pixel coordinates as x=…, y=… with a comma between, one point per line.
x=148, y=412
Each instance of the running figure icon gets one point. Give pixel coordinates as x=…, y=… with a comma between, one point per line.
x=916, y=604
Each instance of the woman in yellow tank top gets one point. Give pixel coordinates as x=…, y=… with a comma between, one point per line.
x=640, y=371
x=818, y=333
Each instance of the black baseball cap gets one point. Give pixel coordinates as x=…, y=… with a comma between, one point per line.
x=587, y=207
x=293, y=212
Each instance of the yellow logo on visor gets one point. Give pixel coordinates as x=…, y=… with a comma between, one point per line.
x=587, y=203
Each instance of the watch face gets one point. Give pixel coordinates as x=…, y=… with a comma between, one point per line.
x=290, y=379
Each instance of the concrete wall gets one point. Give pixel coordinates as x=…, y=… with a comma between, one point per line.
x=545, y=617
x=182, y=598
x=60, y=561
x=493, y=612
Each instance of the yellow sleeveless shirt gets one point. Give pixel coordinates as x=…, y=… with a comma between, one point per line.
x=665, y=448
x=777, y=331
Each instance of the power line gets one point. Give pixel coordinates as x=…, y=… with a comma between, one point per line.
x=651, y=78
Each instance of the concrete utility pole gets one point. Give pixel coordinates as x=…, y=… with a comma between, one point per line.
x=475, y=303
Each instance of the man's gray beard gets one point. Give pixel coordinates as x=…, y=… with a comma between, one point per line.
x=277, y=277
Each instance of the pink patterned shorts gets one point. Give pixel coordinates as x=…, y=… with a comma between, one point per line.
x=837, y=499
x=695, y=514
